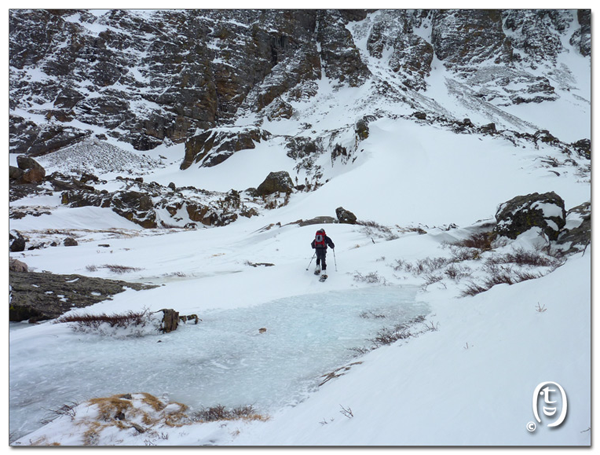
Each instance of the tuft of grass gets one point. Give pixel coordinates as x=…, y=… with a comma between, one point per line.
x=346, y=412
x=110, y=408
x=120, y=269
x=67, y=409
x=371, y=278
x=220, y=412
x=372, y=229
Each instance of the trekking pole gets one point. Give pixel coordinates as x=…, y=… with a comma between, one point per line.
x=311, y=259
x=334, y=259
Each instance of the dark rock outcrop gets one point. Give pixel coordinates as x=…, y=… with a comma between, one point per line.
x=340, y=56
x=212, y=147
x=162, y=76
x=545, y=211
x=39, y=296
x=469, y=37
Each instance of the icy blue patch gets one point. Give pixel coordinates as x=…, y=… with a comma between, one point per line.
x=225, y=359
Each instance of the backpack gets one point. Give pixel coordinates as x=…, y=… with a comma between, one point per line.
x=320, y=239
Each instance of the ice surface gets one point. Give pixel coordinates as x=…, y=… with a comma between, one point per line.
x=222, y=360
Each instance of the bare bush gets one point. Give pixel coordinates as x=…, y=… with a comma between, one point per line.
x=431, y=278
x=346, y=412
x=525, y=258
x=462, y=254
x=473, y=289
x=401, y=331
x=502, y=275
x=65, y=410
x=456, y=272
x=481, y=241
x=371, y=278
x=97, y=322
x=421, y=266
x=540, y=308
x=524, y=276
x=372, y=229
x=120, y=268
x=499, y=275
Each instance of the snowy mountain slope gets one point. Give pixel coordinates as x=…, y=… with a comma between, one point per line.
x=417, y=183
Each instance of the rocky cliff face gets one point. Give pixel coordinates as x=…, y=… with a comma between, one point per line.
x=151, y=77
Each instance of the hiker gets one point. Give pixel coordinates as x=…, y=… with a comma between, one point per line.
x=320, y=244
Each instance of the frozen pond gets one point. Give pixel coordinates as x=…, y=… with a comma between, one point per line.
x=222, y=360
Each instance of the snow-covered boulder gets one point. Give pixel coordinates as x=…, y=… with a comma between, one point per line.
x=521, y=213
x=345, y=216
x=577, y=233
x=17, y=241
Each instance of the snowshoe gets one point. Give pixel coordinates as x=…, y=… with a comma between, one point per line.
x=318, y=271
x=323, y=277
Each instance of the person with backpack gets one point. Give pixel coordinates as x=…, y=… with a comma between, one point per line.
x=320, y=244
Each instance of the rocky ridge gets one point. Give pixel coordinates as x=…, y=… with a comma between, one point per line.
x=157, y=77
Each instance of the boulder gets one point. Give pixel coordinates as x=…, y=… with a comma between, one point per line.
x=584, y=148
x=276, y=182
x=33, y=176
x=70, y=241
x=14, y=173
x=489, y=128
x=345, y=216
x=16, y=241
x=362, y=129
x=26, y=162
x=577, y=233
x=17, y=266
x=546, y=211
x=29, y=171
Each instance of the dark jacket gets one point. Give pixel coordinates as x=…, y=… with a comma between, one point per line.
x=327, y=242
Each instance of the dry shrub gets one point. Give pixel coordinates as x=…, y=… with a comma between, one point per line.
x=220, y=412
x=110, y=407
x=499, y=275
x=481, y=241
x=473, y=289
x=120, y=269
x=95, y=321
x=525, y=258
